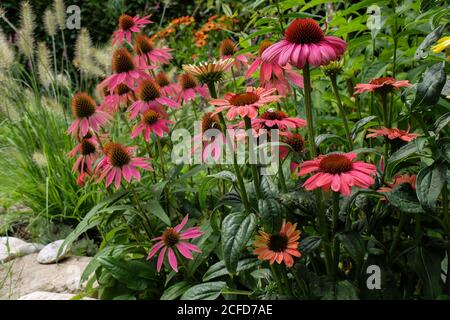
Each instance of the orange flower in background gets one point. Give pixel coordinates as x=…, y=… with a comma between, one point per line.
x=398, y=180
x=186, y=20
x=279, y=247
x=392, y=134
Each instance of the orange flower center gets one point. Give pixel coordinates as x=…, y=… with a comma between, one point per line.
x=122, y=89
x=162, y=80
x=209, y=122
x=118, y=154
x=122, y=61
x=263, y=46
x=227, y=48
x=149, y=91
x=170, y=237
x=278, y=242
x=151, y=117
x=142, y=44
x=303, y=31
x=242, y=99
x=83, y=105
x=335, y=164
x=87, y=147
x=296, y=142
x=187, y=81
x=274, y=115
x=126, y=22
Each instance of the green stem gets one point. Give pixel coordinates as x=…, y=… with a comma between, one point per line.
x=401, y=223
x=447, y=224
x=342, y=111
x=308, y=110
x=335, y=240
x=161, y=159
x=277, y=279
x=145, y=220
x=281, y=177
x=254, y=168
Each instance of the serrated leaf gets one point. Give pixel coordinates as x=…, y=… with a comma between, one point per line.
x=237, y=229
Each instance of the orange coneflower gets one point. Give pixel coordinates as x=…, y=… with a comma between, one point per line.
x=279, y=246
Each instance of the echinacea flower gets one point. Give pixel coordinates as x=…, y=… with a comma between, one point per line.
x=271, y=74
x=279, y=247
x=150, y=97
x=147, y=54
x=304, y=42
x=245, y=104
x=210, y=148
x=227, y=50
x=296, y=142
x=392, y=134
x=121, y=96
x=381, y=85
x=125, y=70
x=88, y=155
x=209, y=72
x=167, y=88
x=172, y=240
x=400, y=179
x=338, y=171
x=442, y=44
x=276, y=119
x=119, y=162
x=189, y=87
x=87, y=115
x=152, y=121
x=127, y=25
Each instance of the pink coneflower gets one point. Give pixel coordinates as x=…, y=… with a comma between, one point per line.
x=381, y=85
x=392, y=134
x=271, y=75
x=279, y=247
x=125, y=70
x=147, y=54
x=227, y=50
x=297, y=144
x=119, y=161
x=275, y=119
x=127, y=25
x=173, y=239
x=87, y=151
x=188, y=87
x=210, y=149
x=167, y=88
x=88, y=116
x=152, y=121
x=150, y=97
x=400, y=179
x=337, y=171
x=121, y=96
x=304, y=42
x=245, y=104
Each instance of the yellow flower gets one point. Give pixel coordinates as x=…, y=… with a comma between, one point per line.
x=442, y=44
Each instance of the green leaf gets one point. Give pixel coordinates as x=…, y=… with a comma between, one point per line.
x=344, y=290
x=176, y=290
x=353, y=244
x=218, y=269
x=430, y=181
x=427, y=265
x=237, y=229
x=441, y=122
x=423, y=48
x=270, y=211
x=225, y=175
x=309, y=244
x=360, y=125
x=204, y=291
x=227, y=10
x=403, y=152
x=156, y=209
x=403, y=198
x=327, y=136
x=429, y=89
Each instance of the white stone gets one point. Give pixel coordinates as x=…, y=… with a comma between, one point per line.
x=44, y=295
x=49, y=254
x=9, y=247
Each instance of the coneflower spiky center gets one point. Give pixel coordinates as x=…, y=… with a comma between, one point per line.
x=118, y=154
x=122, y=89
x=83, y=105
x=274, y=115
x=87, y=147
x=227, y=48
x=210, y=122
x=170, y=237
x=151, y=117
x=335, y=164
x=278, y=242
x=143, y=45
x=122, y=61
x=303, y=31
x=149, y=91
x=382, y=80
x=187, y=81
x=126, y=22
x=296, y=142
x=162, y=79
x=242, y=99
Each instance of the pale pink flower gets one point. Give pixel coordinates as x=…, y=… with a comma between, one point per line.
x=381, y=85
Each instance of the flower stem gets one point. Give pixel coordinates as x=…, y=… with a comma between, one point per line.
x=447, y=224
x=255, y=173
x=277, y=279
x=281, y=177
x=145, y=221
x=308, y=110
x=342, y=111
x=161, y=159
x=335, y=240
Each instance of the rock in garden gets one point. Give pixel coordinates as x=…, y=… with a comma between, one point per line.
x=44, y=295
x=9, y=247
x=49, y=254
